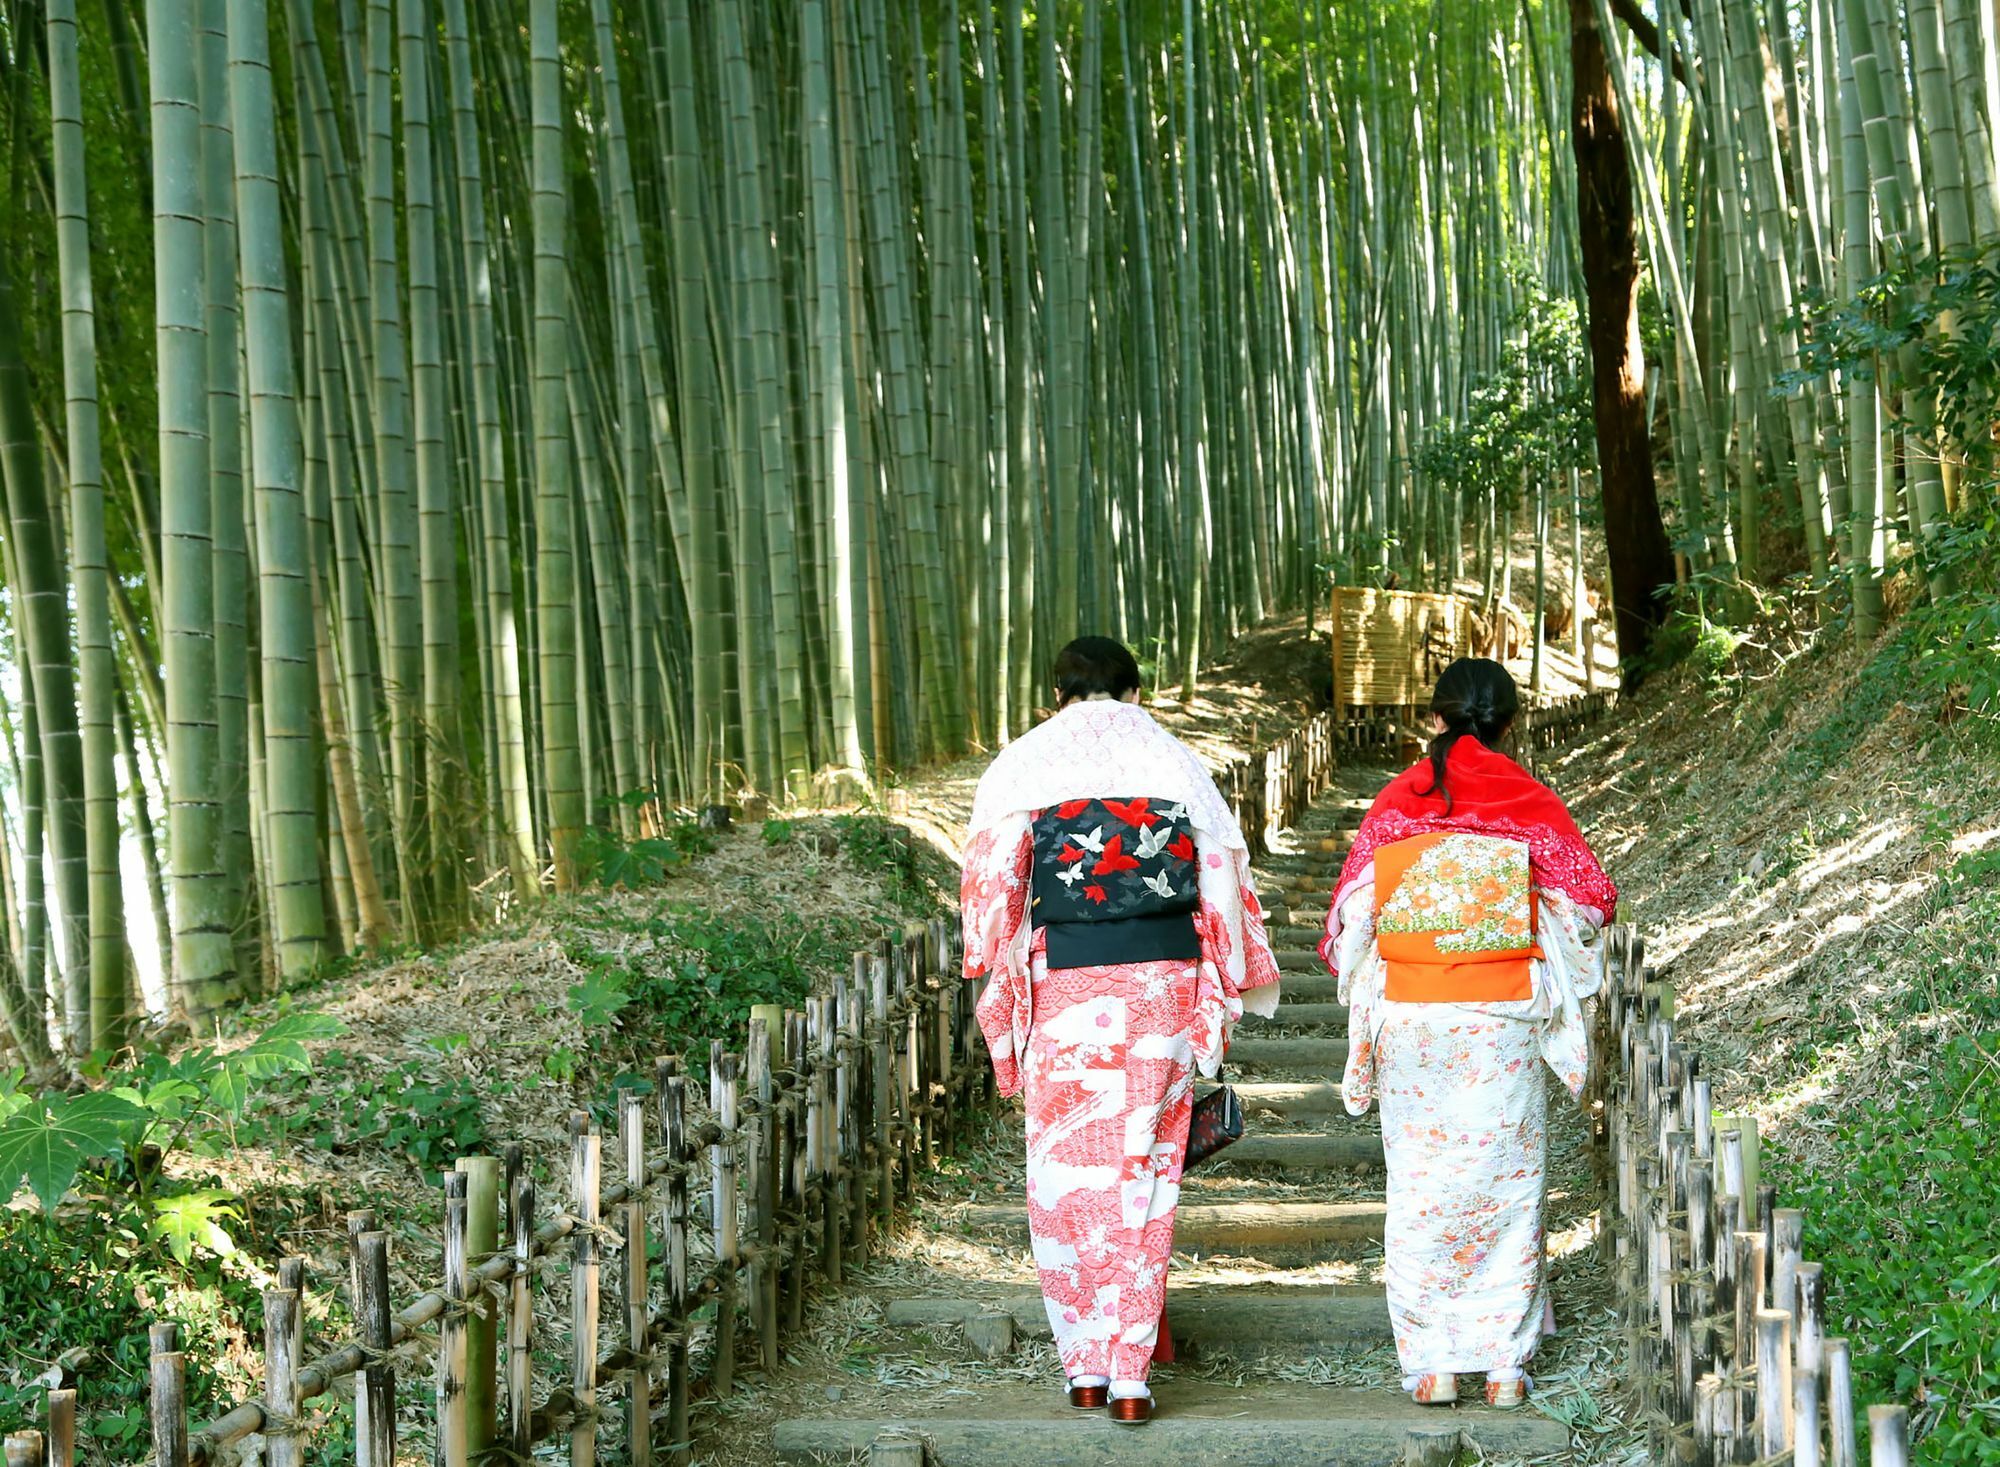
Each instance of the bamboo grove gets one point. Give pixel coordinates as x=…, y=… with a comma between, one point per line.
x=438, y=429
x=1817, y=181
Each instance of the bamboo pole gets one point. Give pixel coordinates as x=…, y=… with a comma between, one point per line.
x=168, y=1371
x=722, y=1182
x=585, y=1175
x=283, y=1443
x=375, y=1396
x=1774, y=1380
x=521, y=1319
x=452, y=1345
x=24, y=1449
x=672, y=1089
x=482, y=1241
x=1889, y=1436
x=761, y=1153
x=798, y=1162
x=638, y=1342
x=1839, y=1405
x=62, y=1428
x=882, y=1050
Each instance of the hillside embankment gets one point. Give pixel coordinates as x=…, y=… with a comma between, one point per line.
x=1809, y=838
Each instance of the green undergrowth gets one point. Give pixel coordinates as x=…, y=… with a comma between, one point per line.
x=1908, y=1225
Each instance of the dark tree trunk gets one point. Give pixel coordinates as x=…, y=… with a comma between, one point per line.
x=1642, y=562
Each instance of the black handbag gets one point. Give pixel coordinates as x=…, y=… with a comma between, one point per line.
x=1217, y=1121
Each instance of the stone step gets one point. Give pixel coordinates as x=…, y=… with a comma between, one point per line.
x=1213, y=1424
x=1326, y=1056
x=1282, y=1233
x=1296, y=882
x=1291, y=1099
x=1300, y=960
x=1297, y=1014
x=1296, y=917
x=1303, y=1151
x=1243, y=1321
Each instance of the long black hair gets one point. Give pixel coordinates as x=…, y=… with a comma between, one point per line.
x=1476, y=696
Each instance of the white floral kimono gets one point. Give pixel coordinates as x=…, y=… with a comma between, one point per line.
x=1464, y=1103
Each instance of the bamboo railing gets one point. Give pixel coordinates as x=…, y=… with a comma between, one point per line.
x=810, y=1139
x=1725, y=1317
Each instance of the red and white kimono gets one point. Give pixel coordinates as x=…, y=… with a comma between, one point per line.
x=1462, y=941
x=1105, y=1055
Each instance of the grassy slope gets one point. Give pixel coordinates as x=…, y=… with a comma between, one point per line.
x=1814, y=857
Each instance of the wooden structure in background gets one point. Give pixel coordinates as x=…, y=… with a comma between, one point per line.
x=1390, y=646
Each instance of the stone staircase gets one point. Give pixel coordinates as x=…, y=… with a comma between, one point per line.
x=1275, y=1301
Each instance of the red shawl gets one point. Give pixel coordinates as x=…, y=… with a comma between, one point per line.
x=1490, y=795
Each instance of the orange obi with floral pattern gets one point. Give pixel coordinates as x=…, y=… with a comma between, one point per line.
x=1455, y=918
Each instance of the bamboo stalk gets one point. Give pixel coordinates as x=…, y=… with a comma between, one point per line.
x=62, y=1428
x=673, y=1134
x=798, y=1175
x=722, y=1170
x=452, y=1348
x=375, y=1396
x=521, y=1320
x=482, y=1241
x=882, y=1047
x=283, y=1443
x=1805, y=1419
x=761, y=1151
x=638, y=1342
x=1839, y=1405
x=1889, y=1436
x=1774, y=1380
x=585, y=1176
x=168, y=1371
x=24, y=1449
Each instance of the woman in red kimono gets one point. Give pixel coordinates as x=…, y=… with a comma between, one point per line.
x=1462, y=933
x=1106, y=900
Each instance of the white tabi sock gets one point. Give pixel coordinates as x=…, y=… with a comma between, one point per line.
x=1130, y=1390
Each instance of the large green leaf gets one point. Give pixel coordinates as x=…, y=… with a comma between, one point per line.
x=194, y=1220
x=46, y=1145
x=280, y=1049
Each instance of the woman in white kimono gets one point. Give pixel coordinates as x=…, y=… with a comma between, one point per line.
x=1462, y=933
x=1106, y=899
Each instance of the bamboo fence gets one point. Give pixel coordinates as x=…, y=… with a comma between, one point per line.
x=811, y=1137
x=1725, y=1317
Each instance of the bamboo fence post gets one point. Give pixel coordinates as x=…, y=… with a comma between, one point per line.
x=822, y=1124
x=24, y=1449
x=452, y=1348
x=62, y=1428
x=904, y=1028
x=850, y=1140
x=282, y=1444
x=521, y=1319
x=360, y=1220
x=1774, y=1380
x=585, y=1180
x=722, y=1177
x=798, y=1166
x=638, y=1344
x=1787, y=1242
x=482, y=1241
x=883, y=1044
x=1809, y=1317
x=1889, y=1436
x=943, y=1056
x=673, y=1136
x=512, y=1157
x=375, y=1392
x=1805, y=1419
x=1701, y=1266
x=1707, y=1392
x=1839, y=1404
x=1749, y=1279
x=764, y=1196
x=848, y=1198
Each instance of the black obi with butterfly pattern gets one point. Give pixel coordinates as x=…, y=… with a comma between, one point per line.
x=1115, y=881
